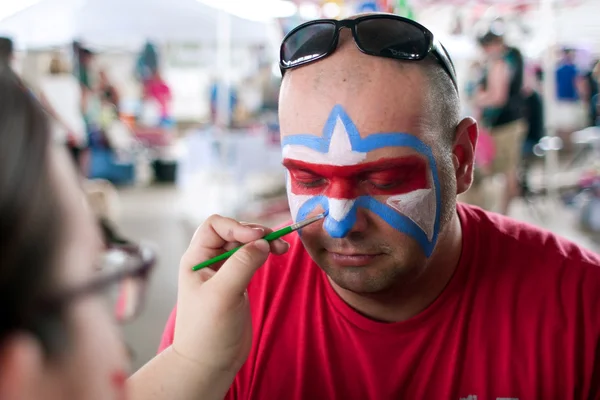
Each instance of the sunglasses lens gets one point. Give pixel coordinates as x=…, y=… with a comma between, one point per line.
x=392, y=38
x=307, y=43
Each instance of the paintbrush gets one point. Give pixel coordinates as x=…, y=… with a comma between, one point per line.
x=269, y=238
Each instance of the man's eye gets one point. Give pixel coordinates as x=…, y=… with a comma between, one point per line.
x=308, y=179
x=382, y=185
x=311, y=182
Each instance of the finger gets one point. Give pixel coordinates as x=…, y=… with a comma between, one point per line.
x=253, y=225
x=218, y=230
x=210, y=238
x=279, y=246
x=235, y=274
x=232, y=245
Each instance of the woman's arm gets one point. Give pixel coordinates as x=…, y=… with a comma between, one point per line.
x=172, y=376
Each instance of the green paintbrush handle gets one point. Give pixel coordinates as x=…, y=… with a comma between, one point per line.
x=269, y=238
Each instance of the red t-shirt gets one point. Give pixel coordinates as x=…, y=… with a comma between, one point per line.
x=520, y=319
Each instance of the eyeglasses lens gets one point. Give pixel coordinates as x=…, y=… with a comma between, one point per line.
x=126, y=296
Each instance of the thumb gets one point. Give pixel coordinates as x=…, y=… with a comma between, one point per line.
x=235, y=274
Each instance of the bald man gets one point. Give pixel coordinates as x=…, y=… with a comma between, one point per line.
x=400, y=292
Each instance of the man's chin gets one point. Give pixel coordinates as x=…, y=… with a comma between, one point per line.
x=359, y=280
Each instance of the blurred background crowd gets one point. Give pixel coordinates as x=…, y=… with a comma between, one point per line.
x=169, y=109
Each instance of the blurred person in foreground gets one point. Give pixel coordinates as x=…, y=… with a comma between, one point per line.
x=57, y=339
x=400, y=292
x=501, y=102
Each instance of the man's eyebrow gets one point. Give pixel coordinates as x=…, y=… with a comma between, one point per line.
x=372, y=166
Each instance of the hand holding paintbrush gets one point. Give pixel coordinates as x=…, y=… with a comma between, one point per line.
x=212, y=328
x=269, y=238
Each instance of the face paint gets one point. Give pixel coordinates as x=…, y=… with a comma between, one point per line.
x=330, y=172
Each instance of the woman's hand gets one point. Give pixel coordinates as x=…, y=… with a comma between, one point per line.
x=213, y=325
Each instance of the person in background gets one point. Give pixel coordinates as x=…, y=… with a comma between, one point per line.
x=533, y=109
x=60, y=94
x=58, y=338
x=108, y=92
x=6, y=53
x=214, y=101
x=85, y=60
x=109, y=101
x=156, y=89
x=534, y=114
x=596, y=100
x=477, y=194
x=500, y=98
x=571, y=92
x=594, y=89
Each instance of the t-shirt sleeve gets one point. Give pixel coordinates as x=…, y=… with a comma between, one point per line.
x=169, y=332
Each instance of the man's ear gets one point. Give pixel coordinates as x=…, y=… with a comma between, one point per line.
x=21, y=368
x=463, y=153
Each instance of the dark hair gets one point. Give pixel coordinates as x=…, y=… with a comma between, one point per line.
x=30, y=214
x=6, y=50
x=489, y=38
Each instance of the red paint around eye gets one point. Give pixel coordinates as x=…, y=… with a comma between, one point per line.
x=382, y=177
x=399, y=180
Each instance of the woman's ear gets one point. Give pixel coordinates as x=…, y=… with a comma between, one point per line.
x=21, y=368
x=463, y=153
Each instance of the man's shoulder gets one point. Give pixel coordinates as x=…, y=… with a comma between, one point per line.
x=520, y=239
x=535, y=268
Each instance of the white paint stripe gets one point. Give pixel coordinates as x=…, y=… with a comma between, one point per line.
x=294, y=200
x=339, y=208
x=340, y=150
x=419, y=206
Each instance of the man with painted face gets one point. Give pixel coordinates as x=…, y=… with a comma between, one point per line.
x=400, y=292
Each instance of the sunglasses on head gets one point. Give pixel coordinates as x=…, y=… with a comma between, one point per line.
x=379, y=35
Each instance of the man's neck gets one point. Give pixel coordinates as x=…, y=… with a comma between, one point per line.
x=413, y=295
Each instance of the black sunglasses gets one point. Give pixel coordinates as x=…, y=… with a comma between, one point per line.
x=380, y=35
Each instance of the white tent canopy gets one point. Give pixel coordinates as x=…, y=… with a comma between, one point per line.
x=125, y=23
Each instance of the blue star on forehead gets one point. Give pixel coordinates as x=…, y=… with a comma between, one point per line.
x=357, y=143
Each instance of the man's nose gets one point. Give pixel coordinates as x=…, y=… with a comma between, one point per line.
x=343, y=217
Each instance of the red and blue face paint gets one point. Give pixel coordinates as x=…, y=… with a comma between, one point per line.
x=331, y=172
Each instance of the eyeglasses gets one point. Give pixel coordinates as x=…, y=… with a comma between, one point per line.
x=380, y=35
x=124, y=272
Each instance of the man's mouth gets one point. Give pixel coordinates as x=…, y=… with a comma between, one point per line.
x=351, y=259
